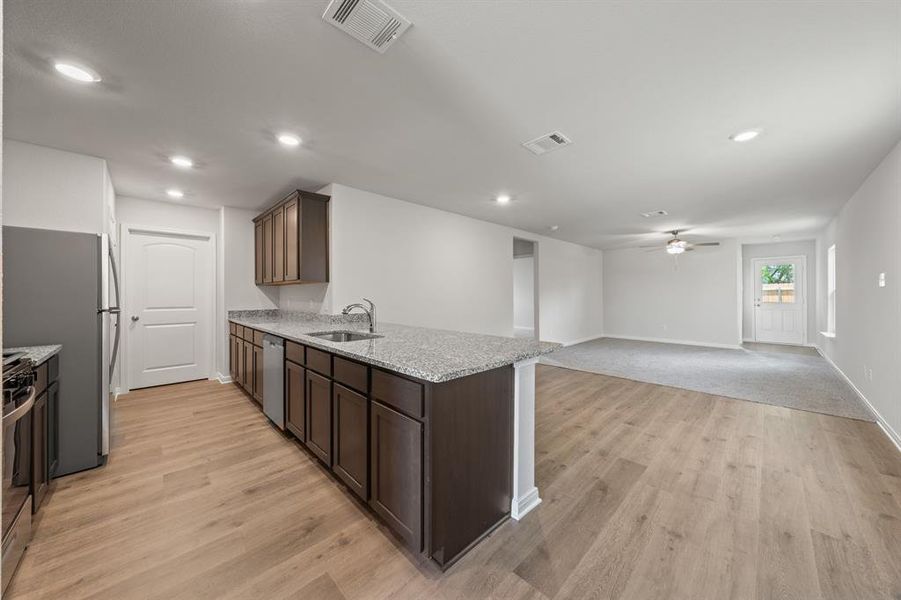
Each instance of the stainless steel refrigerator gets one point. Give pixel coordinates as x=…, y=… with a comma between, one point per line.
x=61, y=287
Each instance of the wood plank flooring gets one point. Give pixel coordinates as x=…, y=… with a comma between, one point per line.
x=648, y=492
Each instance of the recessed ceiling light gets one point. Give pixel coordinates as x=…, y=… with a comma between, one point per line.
x=181, y=161
x=503, y=199
x=76, y=72
x=288, y=139
x=745, y=136
x=174, y=193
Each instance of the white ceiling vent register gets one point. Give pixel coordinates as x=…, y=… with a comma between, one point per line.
x=547, y=142
x=371, y=21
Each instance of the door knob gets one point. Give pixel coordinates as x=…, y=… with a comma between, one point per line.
x=134, y=318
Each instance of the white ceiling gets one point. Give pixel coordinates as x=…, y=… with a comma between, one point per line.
x=649, y=93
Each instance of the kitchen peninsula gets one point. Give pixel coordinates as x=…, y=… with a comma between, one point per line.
x=432, y=429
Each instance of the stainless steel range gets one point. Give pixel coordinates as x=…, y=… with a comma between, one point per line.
x=18, y=400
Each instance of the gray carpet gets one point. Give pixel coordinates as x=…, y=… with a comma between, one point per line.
x=794, y=380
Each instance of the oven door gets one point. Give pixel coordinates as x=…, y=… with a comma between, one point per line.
x=16, y=458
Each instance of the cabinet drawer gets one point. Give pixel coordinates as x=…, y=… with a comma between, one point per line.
x=239, y=331
x=40, y=379
x=257, y=338
x=319, y=361
x=232, y=328
x=351, y=374
x=294, y=352
x=397, y=392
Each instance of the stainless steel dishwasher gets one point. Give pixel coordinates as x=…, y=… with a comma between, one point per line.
x=274, y=379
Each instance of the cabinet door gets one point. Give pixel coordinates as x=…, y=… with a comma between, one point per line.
x=319, y=416
x=267, y=249
x=52, y=429
x=294, y=392
x=258, y=253
x=232, y=358
x=257, y=374
x=247, y=380
x=351, y=427
x=292, y=246
x=278, y=245
x=396, y=471
x=39, y=475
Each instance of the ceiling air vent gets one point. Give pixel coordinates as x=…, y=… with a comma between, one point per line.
x=547, y=142
x=654, y=213
x=371, y=21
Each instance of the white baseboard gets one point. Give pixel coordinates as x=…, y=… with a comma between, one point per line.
x=582, y=340
x=223, y=378
x=524, y=505
x=672, y=341
x=883, y=424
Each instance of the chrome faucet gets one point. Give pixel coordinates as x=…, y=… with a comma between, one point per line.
x=370, y=312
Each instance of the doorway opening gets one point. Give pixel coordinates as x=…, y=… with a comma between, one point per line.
x=525, y=288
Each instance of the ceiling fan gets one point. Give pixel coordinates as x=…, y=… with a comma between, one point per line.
x=678, y=246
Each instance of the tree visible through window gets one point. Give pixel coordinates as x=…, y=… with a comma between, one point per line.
x=778, y=284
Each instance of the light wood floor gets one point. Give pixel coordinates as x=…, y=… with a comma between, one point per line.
x=649, y=492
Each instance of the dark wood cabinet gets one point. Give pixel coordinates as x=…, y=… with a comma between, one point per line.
x=40, y=476
x=247, y=379
x=258, y=253
x=350, y=439
x=396, y=456
x=267, y=248
x=52, y=428
x=278, y=245
x=319, y=416
x=291, y=241
x=258, y=373
x=433, y=460
x=295, y=405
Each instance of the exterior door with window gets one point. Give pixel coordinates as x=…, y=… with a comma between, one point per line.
x=780, y=314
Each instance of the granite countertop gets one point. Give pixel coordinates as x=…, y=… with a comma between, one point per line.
x=434, y=355
x=38, y=354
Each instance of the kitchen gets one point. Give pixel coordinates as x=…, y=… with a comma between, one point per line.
x=283, y=303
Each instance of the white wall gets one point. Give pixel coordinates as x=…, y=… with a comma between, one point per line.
x=645, y=297
x=432, y=268
x=524, y=295
x=802, y=248
x=47, y=188
x=868, y=318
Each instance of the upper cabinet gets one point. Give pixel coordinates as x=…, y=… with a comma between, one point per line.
x=291, y=241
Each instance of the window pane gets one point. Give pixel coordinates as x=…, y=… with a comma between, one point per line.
x=777, y=284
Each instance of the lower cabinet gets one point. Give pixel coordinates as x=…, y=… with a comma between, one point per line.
x=351, y=425
x=52, y=428
x=258, y=374
x=40, y=477
x=396, y=454
x=295, y=407
x=247, y=380
x=319, y=416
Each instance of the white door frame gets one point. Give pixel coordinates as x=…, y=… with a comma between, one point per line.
x=536, y=320
x=125, y=231
x=754, y=274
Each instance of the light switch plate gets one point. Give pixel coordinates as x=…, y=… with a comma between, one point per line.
x=882, y=280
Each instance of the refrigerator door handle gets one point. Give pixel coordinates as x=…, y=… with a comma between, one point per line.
x=114, y=310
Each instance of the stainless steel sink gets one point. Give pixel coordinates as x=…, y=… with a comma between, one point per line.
x=343, y=336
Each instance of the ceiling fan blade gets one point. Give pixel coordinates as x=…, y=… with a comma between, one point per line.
x=655, y=249
x=689, y=249
x=706, y=244
x=653, y=246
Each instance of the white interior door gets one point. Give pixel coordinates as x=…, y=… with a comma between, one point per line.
x=779, y=300
x=168, y=311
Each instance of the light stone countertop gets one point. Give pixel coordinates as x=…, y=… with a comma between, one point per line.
x=38, y=354
x=434, y=355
